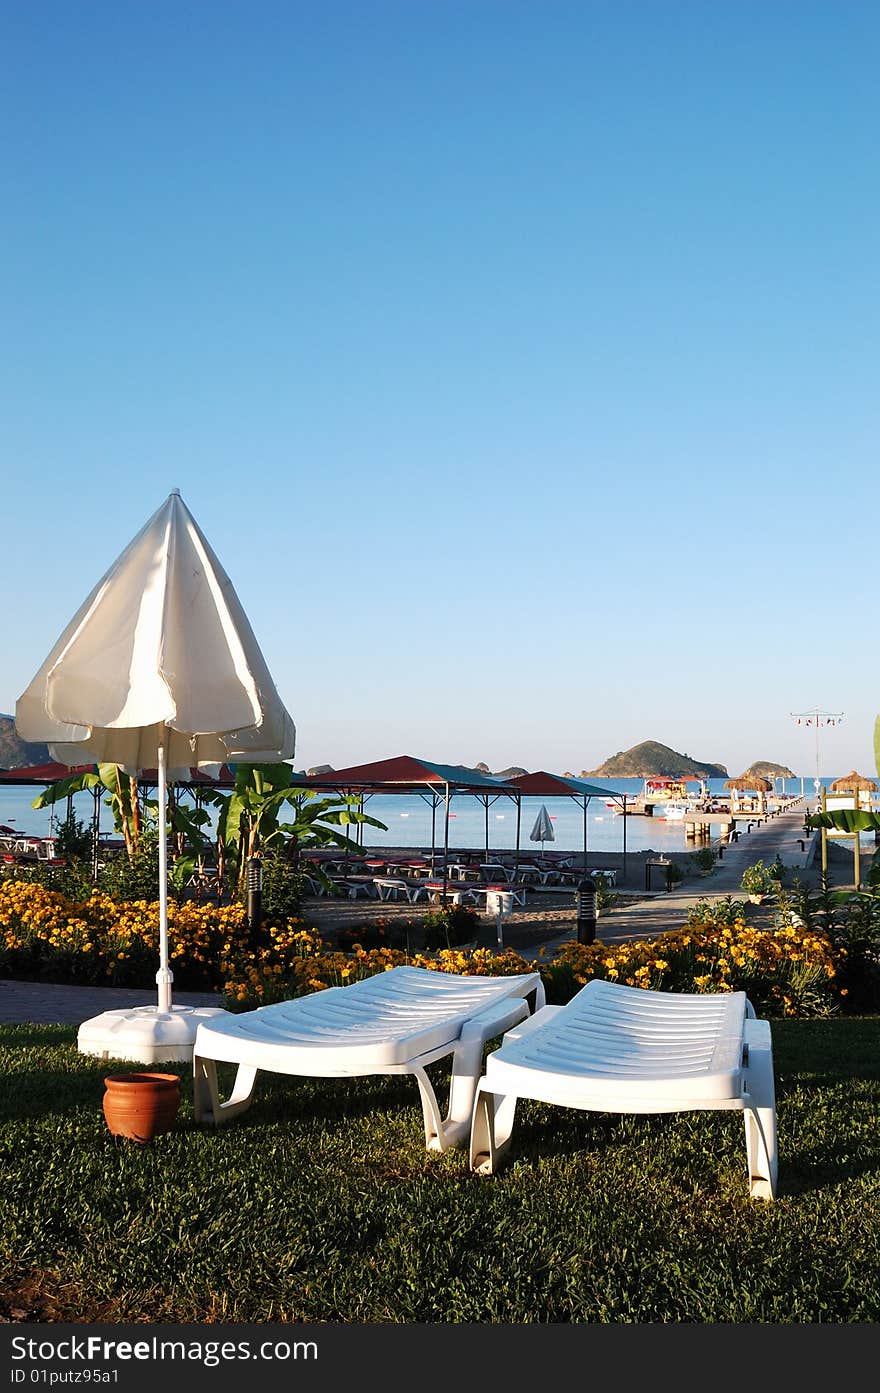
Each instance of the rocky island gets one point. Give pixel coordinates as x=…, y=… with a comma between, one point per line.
x=16, y=753
x=651, y=760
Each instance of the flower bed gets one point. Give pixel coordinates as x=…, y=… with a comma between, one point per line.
x=789, y=971
x=100, y=941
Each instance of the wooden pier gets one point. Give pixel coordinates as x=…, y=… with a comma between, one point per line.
x=698, y=825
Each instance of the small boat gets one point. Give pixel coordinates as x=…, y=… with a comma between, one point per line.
x=670, y=796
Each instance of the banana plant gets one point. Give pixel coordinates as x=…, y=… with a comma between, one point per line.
x=846, y=820
x=132, y=817
x=250, y=817
x=122, y=801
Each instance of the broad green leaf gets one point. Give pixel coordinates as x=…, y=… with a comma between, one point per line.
x=846, y=820
x=62, y=788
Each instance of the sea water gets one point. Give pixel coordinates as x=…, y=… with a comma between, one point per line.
x=407, y=819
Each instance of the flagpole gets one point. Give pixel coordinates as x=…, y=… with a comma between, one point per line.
x=164, y=977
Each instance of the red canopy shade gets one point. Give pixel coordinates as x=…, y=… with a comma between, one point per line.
x=52, y=772
x=540, y=784
x=42, y=773
x=405, y=771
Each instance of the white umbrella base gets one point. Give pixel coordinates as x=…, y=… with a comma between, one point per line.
x=144, y=1034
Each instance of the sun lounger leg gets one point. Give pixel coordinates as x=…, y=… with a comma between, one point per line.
x=760, y=1116
x=206, y=1093
x=491, y=1130
x=467, y=1063
x=434, y=1131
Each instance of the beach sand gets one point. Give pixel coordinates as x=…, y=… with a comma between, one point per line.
x=550, y=917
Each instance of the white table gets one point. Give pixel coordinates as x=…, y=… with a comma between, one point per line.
x=518, y=892
x=457, y=892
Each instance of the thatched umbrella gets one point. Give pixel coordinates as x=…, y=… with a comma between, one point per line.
x=853, y=783
x=751, y=783
x=857, y=784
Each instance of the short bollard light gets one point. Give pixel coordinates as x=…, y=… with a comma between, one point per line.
x=254, y=892
x=585, y=901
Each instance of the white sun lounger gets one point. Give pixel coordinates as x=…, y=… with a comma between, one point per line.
x=622, y=1049
x=396, y=1022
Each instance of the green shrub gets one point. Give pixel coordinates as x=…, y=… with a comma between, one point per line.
x=282, y=890
x=73, y=840
x=758, y=879
x=137, y=879
x=715, y=912
x=379, y=933
x=674, y=873
x=605, y=896
x=449, y=926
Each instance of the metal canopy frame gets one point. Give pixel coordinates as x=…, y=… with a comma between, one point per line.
x=438, y=791
x=542, y=784
x=435, y=784
x=439, y=784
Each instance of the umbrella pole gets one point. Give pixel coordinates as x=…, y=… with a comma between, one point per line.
x=164, y=977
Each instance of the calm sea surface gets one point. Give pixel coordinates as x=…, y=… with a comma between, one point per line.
x=408, y=819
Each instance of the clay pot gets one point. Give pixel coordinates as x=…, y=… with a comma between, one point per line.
x=141, y=1106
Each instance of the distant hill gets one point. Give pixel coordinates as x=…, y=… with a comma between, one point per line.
x=769, y=770
x=16, y=753
x=651, y=760
x=483, y=768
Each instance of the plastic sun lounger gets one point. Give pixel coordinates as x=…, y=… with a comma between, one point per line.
x=396, y=1022
x=622, y=1049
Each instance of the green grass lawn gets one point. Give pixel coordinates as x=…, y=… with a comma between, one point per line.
x=321, y=1204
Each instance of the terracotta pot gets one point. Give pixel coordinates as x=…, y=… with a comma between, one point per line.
x=141, y=1106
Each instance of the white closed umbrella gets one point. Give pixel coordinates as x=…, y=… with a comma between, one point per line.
x=543, y=829
x=159, y=668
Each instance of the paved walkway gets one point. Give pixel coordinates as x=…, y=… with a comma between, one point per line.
x=663, y=911
x=45, y=1003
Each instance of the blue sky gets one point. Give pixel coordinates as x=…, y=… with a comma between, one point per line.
x=518, y=360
